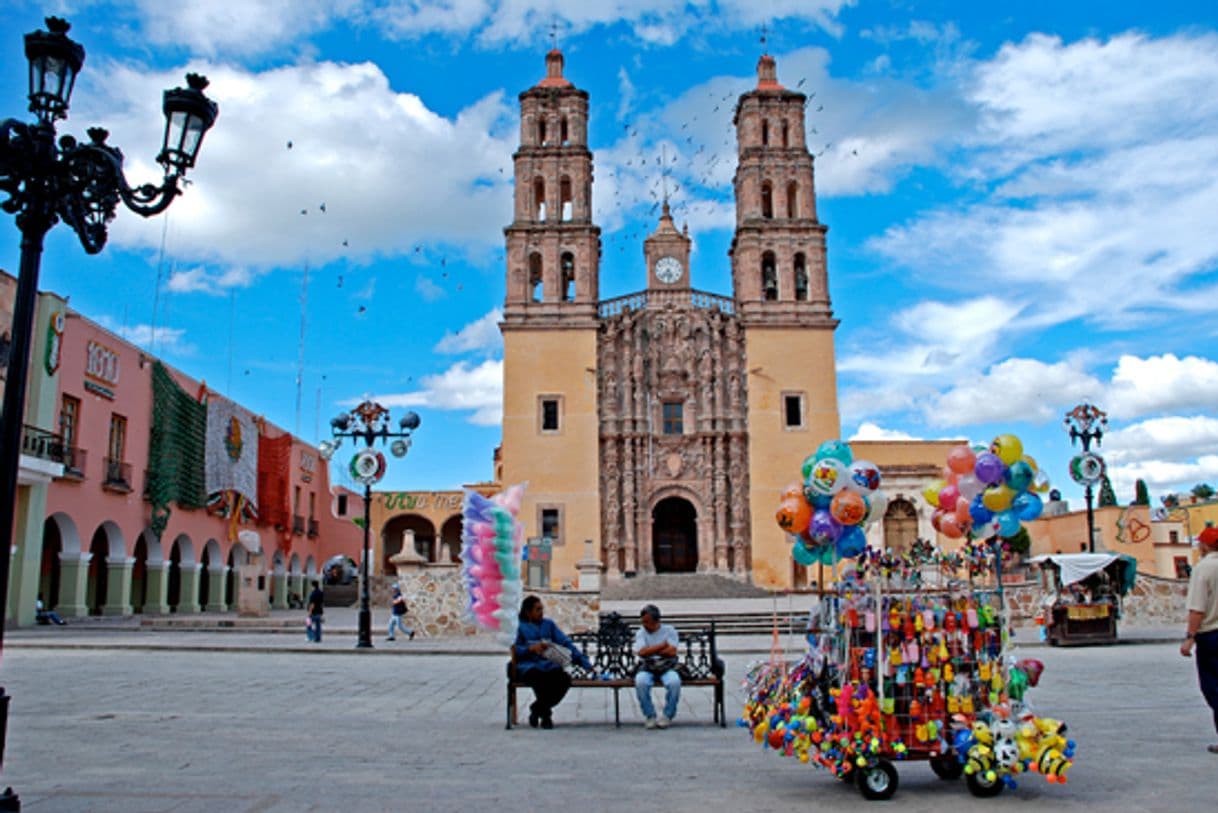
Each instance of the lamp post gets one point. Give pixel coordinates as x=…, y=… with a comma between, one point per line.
x=1086, y=423
x=81, y=184
x=368, y=422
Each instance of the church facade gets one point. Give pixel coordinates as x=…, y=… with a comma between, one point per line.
x=656, y=429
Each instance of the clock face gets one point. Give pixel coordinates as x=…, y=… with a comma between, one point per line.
x=668, y=269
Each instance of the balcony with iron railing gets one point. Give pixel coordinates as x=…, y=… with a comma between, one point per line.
x=42, y=444
x=74, y=460
x=641, y=300
x=298, y=524
x=314, y=529
x=118, y=476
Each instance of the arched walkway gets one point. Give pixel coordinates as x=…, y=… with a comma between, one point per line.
x=674, y=536
x=450, y=535
x=424, y=538
x=48, y=570
x=182, y=595
x=148, y=575
x=107, y=542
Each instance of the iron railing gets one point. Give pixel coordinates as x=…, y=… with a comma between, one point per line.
x=641, y=300
x=42, y=444
x=118, y=475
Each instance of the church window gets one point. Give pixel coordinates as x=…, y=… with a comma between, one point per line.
x=792, y=200
x=550, y=413
x=535, y=287
x=674, y=418
x=793, y=410
x=769, y=277
x=539, y=197
x=564, y=197
x=765, y=133
x=900, y=526
x=801, y=278
x=564, y=132
x=767, y=200
x=786, y=135
x=342, y=505
x=541, y=132
x=568, y=277
x=549, y=524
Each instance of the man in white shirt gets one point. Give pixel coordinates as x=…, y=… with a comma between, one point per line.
x=656, y=646
x=1202, y=604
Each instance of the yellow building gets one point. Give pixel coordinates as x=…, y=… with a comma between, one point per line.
x=657, y=430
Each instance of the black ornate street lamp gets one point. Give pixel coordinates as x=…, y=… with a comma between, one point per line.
x=1086, y=422
x=368, y=422
x=81, y=184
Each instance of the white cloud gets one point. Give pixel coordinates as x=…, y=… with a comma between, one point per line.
x=243, y=27
x=460, y=387
x=1017, y=389
x=160, y=340
x=871, y=431
x=357, y=146
x=427, y=289
x=1142, y=386
x=1174, y=439
x=481, y=335
x=201, y=280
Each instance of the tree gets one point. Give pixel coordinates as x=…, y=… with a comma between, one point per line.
x=1142, y=493
x=1171, y=501
x=1020, y=543
x=1203, y=491
x=1107, y=495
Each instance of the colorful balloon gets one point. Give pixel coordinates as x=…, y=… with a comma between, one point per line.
x=950, y=526
x=836, y=450
x=793, y=515
x=1008, y=448
x=848, y=507
x=930, y=492
x=969, y=486
x=852, y=543
x=1007, y=523
x=877, y=506
x=980, y=514
x=989, y=468
x=998, y=498
x=803, y=555
x=864, y=476
x=961, y=459
x=824, y=529
x=828, y=477
x=1019, y=476
x=1027, y=506
x=948, y=496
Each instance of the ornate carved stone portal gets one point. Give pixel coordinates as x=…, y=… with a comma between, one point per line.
x=672, y=425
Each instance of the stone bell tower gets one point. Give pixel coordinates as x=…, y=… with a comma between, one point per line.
x=550, y=432
x=782, y=294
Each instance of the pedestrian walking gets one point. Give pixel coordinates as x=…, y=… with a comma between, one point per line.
x=398, y=616
x=1202, y=604
x=316, y=608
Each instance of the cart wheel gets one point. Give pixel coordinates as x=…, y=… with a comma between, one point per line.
x=878, y=782
x=981, y=788
x=947, y=767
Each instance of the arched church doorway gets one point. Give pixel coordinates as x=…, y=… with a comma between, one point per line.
x=674, y=536
x=900, y=526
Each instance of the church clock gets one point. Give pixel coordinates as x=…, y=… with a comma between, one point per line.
x=668, y=270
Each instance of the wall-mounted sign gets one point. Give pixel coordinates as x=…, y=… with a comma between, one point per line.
x=308, y=466
x=421, y=501
x=54, y=342
x=101, y=363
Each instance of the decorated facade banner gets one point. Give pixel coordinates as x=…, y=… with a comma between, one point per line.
x=274, y=486
x=176, y=448
x=492, y=542
x=232, y=449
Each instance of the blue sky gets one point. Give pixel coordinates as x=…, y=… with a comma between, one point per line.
x=1021, y=202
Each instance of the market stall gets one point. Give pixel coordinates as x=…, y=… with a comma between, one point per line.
x=1081, y=596
x=909, y=656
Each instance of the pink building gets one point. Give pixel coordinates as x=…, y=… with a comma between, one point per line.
x=163, y=496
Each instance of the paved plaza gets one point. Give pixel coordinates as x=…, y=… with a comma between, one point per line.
x=259, y=722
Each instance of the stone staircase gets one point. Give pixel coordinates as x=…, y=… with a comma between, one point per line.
x=660, y=586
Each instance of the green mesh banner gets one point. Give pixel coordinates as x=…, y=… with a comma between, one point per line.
x=175, y=455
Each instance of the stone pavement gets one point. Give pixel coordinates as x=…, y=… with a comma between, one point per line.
x=108, y=720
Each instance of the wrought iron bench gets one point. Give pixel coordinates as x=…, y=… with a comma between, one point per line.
x=611, y=650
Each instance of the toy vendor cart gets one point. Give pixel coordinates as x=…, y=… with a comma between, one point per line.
x=1081, y=598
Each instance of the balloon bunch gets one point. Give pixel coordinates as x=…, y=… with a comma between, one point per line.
x=491, y=547
x=826, y=511
x=986, y=491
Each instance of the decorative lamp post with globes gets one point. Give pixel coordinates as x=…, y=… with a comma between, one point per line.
x=1086, y=422
x=47, y=181
x=368, y=422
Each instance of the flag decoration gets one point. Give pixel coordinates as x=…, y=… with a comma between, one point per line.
x=176, y=448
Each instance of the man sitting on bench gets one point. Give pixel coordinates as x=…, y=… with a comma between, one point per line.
x=656, y=646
